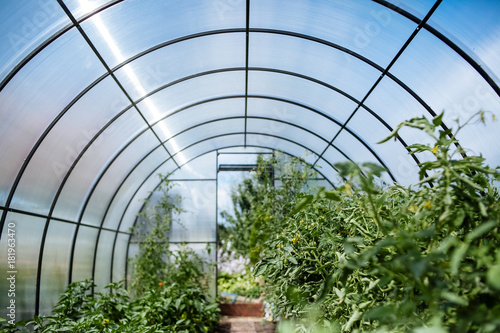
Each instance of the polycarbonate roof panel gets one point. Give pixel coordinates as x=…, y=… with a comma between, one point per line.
x=300, y=90
x=55, y=263
x=474, y=26
x=188, y=93
x=292, y=114
x=93, y=162
x=103, y=259
x=197, y=222
x=364, y=27
x=80, y=8
x=227, y=140
x=312, y=59
x=37, y=94
x=137, y=188
x=284, y=145
x=274, y=128
x=202, y=167
x=84, y=253
x=128, y=184
x=24, y=25
x=419, y=8
x=120, y=257
x=76, y=129
x=124, y=163
x=133, y=26
x=393, y=153
x=158, y=68
x=447, y=82
x=191, y=135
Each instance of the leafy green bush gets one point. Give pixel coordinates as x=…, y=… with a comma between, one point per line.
x=162, y=309
x=419, y=259
x=241, y=284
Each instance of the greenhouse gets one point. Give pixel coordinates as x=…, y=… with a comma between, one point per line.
x=346, y=151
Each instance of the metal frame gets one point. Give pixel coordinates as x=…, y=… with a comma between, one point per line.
x=248, y=31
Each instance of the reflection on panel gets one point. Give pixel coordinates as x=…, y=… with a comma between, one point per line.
x=103, y=259
x=161, y=67
x=294, y=89
x=120, y=257
x=365, y=27
x=55, y=264
x=19, y=271
x=83, y=7
x=92, y=164
x=318, y=61
x=134, y=25
x=125, y=191
x=446, y=82
x=23, y=26
x=202, y=167
x=393, y=153
x=290, y=113
x=84, y=253
x=63, y=144
x=36, y=95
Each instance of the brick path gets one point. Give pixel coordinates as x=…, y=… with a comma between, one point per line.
x=244, y=325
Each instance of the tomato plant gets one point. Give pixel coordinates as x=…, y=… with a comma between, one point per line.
x=392, y=259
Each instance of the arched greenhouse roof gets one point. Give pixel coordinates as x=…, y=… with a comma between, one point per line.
x=97, y=97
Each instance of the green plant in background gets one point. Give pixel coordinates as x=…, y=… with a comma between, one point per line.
x=259, y=205
x=151, y=234
x=393, y=259
x=242, y=284
x=169, y=289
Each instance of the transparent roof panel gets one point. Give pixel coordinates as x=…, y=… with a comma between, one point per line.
x=192, y=135
x=76, y=129
x=84, y=253
x=35, y=96
x=156, y=69
x=447, y=82
x=120, y=257
x=122, y=166
x=293, y=114
x=225, y=141
x=202, y=167
x=315, y=60
x=92, y=163
x=475, y=27
x=55, y=263
x=300, y=90
x=274, y=128
x=190, y=92
x=365, y=27
x=80, y=8
x=197, y=222
x=419, y=8
x=133, y=26
x=24, y=25
x=393, y=153
x=289, y=147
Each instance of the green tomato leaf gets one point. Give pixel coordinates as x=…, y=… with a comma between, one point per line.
x=493, y=276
